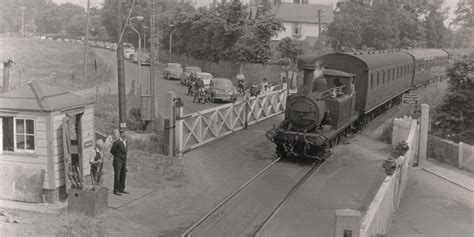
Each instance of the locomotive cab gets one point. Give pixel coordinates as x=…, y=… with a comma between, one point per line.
x=340, y=99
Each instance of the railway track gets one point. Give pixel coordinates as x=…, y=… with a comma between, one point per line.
x=253, y=205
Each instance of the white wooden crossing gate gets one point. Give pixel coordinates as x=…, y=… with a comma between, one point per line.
x=199, y=128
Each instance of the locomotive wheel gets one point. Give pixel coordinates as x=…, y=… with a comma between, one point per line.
x=280, y=151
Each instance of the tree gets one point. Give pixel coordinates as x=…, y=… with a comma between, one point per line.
x=345, y=31
x=455, y=118
x=222, y=32
x=289, y=48
x=412, y=31
x=380, y=32
x=464, y=14
x=463, y=38
x=436, y=33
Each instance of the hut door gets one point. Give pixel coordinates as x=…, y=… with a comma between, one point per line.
x=73, y=158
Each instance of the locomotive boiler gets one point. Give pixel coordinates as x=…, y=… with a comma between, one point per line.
x=319, y=115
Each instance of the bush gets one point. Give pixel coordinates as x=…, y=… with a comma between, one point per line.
x=386, y=135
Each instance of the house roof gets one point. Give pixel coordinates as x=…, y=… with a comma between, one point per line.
x=37, y=96
x=304, y=13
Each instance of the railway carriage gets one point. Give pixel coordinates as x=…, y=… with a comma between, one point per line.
x=428, y=63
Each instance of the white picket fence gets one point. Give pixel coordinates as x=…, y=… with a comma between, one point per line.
x=196, y=129
x=379, y=215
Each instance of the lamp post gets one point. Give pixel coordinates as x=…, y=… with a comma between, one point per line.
x=171, y=42
x=320, y=12
x=140, y=18
x=22, y=8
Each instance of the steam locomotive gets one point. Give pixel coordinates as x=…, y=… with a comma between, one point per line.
x=342, y=92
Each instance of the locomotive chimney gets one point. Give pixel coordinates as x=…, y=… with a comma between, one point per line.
x=308, y=64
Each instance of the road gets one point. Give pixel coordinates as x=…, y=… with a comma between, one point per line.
x=131, y=73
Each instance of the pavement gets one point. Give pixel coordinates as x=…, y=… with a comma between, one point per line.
x=437, y=202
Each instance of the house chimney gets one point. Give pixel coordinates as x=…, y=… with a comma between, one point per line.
x=6, y=75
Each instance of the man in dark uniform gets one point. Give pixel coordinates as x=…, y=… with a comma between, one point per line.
x=119, y=151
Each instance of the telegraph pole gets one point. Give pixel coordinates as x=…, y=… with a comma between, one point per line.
x=22, y=8
x=320, y=11
x=86, y=40
x=120, y=70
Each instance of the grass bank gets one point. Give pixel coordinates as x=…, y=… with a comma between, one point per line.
x=56, y=63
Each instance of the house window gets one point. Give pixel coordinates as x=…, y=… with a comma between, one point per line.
x=297, y=29
x=18, y=134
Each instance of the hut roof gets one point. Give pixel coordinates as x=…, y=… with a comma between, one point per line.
x=37, y=96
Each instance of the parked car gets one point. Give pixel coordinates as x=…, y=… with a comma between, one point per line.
x=145, y=58
x=113, y=47
x=187, y=72
x=173, y=71
x=206, y=77
x=223, y=89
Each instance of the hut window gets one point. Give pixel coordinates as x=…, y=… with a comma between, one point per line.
x=7, y=134
x=24, y=135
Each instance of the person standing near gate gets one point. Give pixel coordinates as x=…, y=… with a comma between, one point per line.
x=96, y=161
x=119, y=151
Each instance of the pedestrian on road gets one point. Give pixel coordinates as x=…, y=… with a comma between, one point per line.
x=240, y=83
x=96, y=161
x=119, y=151
x=265, y=86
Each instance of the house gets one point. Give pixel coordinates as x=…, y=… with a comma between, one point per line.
x=43, y=129
x=301, y=21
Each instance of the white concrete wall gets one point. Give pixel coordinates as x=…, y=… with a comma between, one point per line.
x=309, y=29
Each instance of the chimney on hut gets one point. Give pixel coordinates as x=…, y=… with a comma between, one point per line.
x=6, y=75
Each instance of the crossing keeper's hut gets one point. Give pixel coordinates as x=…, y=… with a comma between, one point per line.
x=39, y=124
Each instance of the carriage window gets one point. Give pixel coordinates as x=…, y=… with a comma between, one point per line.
x=378, y=78
x=383, y=77
x=371, y=81
x=393, y=74
x=398, y=72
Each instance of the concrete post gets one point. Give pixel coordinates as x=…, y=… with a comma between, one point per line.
x=347, y=223
x=425, y=117
x=179, y=131
x=169, y=122
x=461, y=155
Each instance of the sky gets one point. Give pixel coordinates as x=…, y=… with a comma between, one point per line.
x=95, y=3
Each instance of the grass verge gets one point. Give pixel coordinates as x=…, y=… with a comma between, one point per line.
x=56, y=63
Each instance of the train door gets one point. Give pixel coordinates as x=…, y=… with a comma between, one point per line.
x=73, y=156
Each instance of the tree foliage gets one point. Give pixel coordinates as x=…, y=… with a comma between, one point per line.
x=222, y=32
x=464, y=14
x=455, y=118
x=289, y=48
x=388, y=24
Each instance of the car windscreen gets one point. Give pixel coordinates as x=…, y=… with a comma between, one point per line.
x=174, y=66
x=193, y=69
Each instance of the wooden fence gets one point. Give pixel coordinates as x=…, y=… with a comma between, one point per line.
x=378, y=218
x=196, y=129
